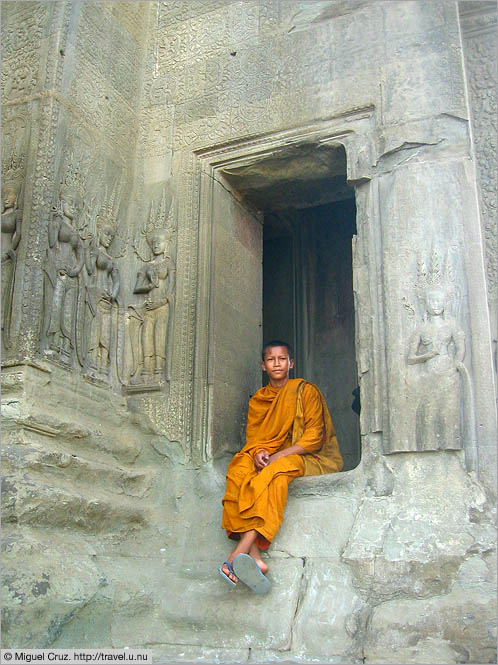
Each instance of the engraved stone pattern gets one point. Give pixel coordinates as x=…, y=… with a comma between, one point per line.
x=22, y=32
x=15, y=150
x=422, y=58
x=42, y=178
x=110, y=49
x=132, y=16
x=180, y=413
x=105, y=81
x=155, y=136
x=23, y=26
x=84, y=54
x=479, y=41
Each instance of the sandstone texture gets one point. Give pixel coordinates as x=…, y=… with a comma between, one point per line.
x=153, y=154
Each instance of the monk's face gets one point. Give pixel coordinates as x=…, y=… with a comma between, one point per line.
x=277, y=365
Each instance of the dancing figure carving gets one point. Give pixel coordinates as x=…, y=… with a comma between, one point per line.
x=149, y=319
x=63, y=266
x=102, y=289
x=438, y=348
x=11, y=236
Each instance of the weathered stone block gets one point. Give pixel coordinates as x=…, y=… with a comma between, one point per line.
x=45, y=582
x=328, y=620
x=175, y=612
x=316, y=527
x=452, y=628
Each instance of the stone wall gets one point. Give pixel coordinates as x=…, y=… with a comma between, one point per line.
x=478, y=29
x=131, y=312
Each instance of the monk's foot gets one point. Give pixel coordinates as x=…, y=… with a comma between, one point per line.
x=261, y=565
x=229, y=573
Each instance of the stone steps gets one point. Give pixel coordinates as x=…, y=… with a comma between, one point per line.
x=46, y=505
x=58, y=490
x=68, y=469
x=120, y=444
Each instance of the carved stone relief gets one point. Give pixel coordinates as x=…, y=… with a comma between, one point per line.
x=155, y=127
x=171, y=13
x=131, y=16
x=112, y=308
x=110, y=49
x=42, y=177
x=244, y=22
x=269, y=17
x=149, y=316
x=21, y=48
x=22, y=26
x=204, y=6
x=63, y=265
x=18, y=77
x=12, y=182
x=208, y=37
x=171, y=48
x=105, y=81
x=102, y=320
x=83, y=324
x=437, y=348
x=15, y=137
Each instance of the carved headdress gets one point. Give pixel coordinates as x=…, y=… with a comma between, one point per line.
x=73, y=181
x=439, y=275
x=157, y=223
x=13, y=171
x=108, y=213
x=101, y=214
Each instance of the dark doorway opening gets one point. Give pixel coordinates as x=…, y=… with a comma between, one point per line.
x=309, y=220
x=308, y=301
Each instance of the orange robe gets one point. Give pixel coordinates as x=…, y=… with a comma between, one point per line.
x=278, y=418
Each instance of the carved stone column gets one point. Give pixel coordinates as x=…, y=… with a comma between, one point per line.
x=438, y=355
x=34, y=47
x=478, y=27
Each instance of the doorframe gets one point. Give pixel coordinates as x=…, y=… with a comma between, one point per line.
x=354, y=132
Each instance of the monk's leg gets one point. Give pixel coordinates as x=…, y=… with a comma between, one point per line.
x=271, y=503
x=256, y=555
x=245, y=544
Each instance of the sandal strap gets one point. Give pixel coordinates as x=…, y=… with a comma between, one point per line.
x=229, y=566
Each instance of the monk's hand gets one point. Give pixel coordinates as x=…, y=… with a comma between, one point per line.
x=274, y=457
x=261, y=459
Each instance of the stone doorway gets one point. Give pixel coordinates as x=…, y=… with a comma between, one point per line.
x=309, y=221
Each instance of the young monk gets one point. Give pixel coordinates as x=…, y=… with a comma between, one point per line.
x=289, y=434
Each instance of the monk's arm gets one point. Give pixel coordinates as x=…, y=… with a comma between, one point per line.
x=291, y=450
x=312, y=438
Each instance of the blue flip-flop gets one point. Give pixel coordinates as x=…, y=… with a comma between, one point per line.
x=248, y=571
x=224, y=575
